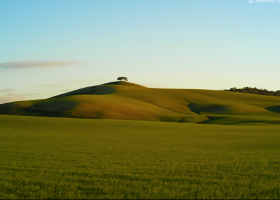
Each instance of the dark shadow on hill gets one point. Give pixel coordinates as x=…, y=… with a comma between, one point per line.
x=13, y=109
x=212, y=119
x=106, y=88
x=275, y=109
x=93, y=90
x=198, y=109
x=55, y=105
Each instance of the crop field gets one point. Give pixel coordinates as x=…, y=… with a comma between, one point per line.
x=45, y=157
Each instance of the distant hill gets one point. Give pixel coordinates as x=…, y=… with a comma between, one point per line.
x=255, y=91
x=125, y=100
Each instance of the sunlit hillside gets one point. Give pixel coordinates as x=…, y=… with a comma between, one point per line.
x=124, y=100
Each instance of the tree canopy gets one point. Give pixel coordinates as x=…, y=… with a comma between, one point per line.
x=122, y=79
x=255, y=91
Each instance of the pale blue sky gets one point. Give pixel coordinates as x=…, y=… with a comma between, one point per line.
x=48, y=47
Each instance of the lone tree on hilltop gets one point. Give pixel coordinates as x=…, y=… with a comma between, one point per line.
x=122, y=79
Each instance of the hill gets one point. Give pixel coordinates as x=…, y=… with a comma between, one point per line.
x=98, y=90
x=124, y=100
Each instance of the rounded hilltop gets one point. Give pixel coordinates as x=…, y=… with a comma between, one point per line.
x=105, y=88
x=122, y=83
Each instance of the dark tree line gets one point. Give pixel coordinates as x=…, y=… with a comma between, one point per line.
x=255, y=91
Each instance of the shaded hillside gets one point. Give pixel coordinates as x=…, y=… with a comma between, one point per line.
x=124, y=100
x=255, y=91
x=97, y=90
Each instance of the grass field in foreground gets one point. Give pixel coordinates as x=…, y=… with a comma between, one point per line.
x=83, y=158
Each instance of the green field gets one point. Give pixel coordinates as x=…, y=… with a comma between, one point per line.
x=45, y=157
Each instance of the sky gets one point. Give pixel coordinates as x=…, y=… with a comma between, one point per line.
x=49, y=47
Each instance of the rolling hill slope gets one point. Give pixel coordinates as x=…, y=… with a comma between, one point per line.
x=124, y=100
